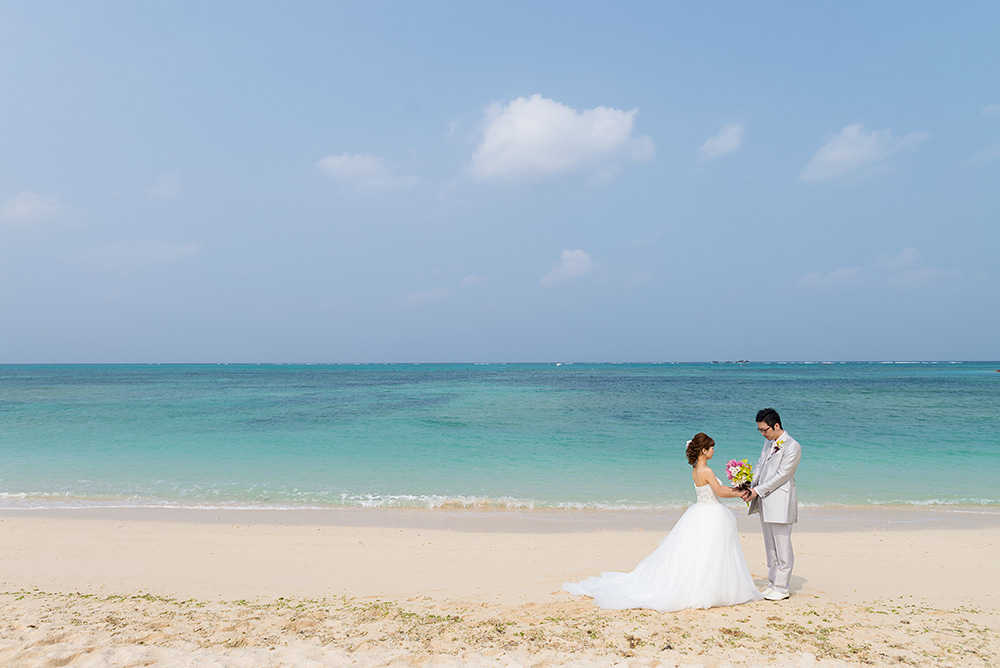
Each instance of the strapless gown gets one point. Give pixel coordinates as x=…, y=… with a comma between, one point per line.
x=700, y=564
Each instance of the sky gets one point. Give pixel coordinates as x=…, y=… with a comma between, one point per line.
x=489, y=182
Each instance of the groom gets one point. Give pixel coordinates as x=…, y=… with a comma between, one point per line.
x=772, y=494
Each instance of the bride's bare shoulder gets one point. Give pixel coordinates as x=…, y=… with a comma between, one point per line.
x=702, y=474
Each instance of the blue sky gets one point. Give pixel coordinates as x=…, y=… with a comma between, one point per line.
x=344, y=182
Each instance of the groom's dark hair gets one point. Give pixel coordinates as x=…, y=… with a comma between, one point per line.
x=768, y=416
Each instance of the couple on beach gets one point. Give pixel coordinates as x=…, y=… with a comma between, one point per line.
x=700, y=563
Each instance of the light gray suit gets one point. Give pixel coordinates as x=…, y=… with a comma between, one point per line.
x=778, y=506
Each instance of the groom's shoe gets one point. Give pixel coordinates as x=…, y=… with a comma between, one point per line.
x=775, y=595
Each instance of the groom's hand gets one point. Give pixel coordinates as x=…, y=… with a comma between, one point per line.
x=750, y=495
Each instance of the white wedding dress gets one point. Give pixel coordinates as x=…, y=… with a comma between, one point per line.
x=699, y=564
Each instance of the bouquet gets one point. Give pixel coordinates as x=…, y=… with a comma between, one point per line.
x=740, y=473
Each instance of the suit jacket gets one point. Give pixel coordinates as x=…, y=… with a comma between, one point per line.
x=774, y=481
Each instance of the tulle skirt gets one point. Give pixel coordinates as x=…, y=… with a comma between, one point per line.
x=699, y=564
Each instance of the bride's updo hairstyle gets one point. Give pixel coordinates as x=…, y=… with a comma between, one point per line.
x=697, y=445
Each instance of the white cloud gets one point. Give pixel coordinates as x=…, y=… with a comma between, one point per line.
x=726, y=140
x=642, y=149
x=854, y=148
x=985, y=156
x=472, y=279
x=428, y=296
x=361, y=170
x=166, y=187
x=991, y=110
x=572, y=264
x=440, y=294
x=905, y=269
x=908, y=257
x=535, y=136
x=639, y=278
x=833, y=279
x=130, y=255
x=28, y=207
x=603, y=176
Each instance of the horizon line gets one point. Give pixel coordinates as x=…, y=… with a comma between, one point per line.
x=481, y=362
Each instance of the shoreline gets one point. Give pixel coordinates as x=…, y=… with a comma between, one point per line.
x=819, y=519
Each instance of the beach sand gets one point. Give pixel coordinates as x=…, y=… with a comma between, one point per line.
x=410, y=587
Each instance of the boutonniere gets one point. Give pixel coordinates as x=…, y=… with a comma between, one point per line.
x=780, y=442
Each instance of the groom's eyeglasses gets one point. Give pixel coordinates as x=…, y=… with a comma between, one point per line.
x=763, y=430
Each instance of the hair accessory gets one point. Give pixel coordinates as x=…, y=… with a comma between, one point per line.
x=688, y=444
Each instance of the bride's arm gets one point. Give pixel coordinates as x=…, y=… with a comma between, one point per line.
x=719, y=490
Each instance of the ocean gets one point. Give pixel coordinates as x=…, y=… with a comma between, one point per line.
x=499, y=436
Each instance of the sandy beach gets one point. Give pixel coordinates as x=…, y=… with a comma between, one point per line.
x=384, y=587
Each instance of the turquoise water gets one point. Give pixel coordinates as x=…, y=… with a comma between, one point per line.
x=506, y=435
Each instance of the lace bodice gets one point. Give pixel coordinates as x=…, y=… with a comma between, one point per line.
x=705, y=493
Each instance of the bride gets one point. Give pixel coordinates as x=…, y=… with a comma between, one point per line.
x=699, y=564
